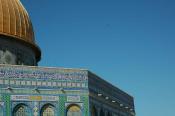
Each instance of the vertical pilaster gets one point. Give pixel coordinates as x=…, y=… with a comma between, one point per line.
x=62, y=109
x=36, y=109
x=98, y=110
x=6, y=99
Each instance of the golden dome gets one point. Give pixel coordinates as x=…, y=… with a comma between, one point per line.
x=15, y=23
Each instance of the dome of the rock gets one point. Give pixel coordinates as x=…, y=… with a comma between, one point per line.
x=16, y=24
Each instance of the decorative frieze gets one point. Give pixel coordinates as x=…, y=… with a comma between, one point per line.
x=25, y=76
x=38, y=73
x=73, y=99
x=33, y=98
x=27, y=83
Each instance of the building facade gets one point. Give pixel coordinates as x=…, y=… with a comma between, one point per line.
x=44, y=91
x=29, y=90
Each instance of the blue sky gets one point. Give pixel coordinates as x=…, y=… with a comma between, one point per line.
x=130, y=43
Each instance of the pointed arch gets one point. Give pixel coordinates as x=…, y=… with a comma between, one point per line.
x=48, y=110
x=22, y=110
x=73, y=110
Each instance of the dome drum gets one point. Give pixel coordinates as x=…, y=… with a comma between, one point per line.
x=16, y=25
x=15, y=53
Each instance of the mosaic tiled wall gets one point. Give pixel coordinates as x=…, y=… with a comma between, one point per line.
x=22, y=76
x=8, y=104
x=36, y=87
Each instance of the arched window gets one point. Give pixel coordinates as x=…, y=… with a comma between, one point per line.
x=93, y=111
x=22, y=110
x=74, y=110
x=109, y=114
x=1, y=111
x=47, y=110
x=102, y=112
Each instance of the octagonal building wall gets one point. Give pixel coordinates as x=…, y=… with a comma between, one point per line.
x=35, y=91
x=108, y=100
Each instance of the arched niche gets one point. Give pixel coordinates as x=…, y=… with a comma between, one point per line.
x=22, y=110
x=73, y=110
x=48, y=110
